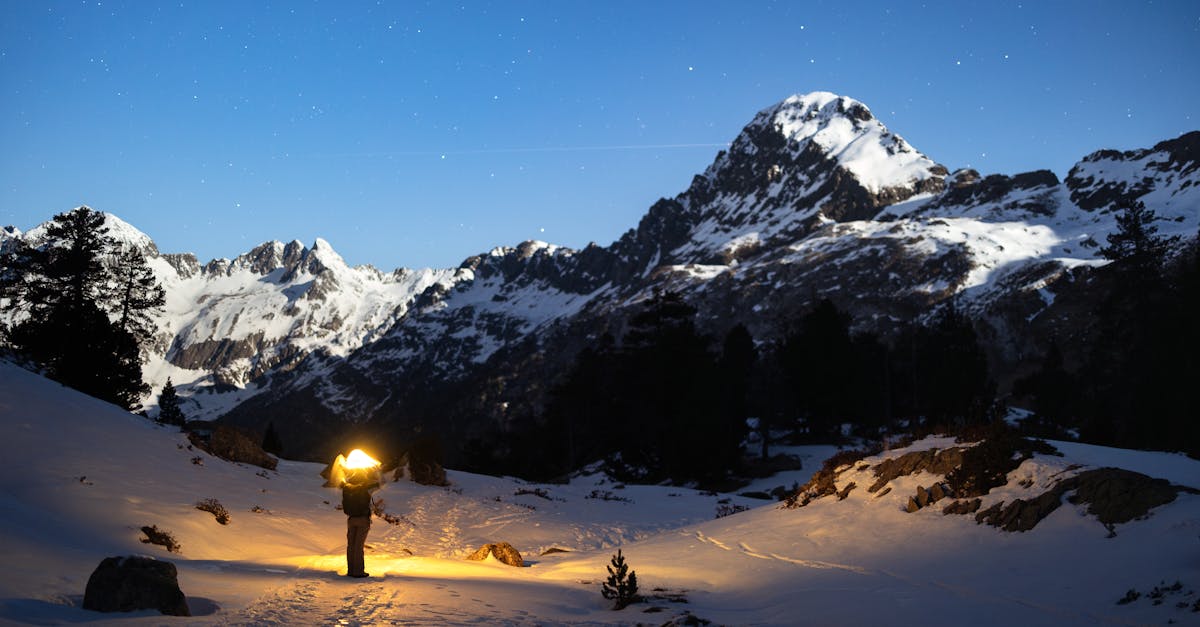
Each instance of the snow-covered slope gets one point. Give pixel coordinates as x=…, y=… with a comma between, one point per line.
x=85, y=477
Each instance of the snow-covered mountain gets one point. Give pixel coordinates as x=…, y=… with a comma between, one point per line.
x=815, y=198
x=228, y=323
x=85, y=477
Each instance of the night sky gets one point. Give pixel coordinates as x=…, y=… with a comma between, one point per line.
x=417, y=134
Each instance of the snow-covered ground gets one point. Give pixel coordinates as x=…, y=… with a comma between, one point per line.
x=83, y=478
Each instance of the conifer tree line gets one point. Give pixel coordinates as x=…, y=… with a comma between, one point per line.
x=1132, y=383
x=668, y=402
x=86, y=304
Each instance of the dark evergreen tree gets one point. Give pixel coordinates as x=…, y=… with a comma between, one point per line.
x=15, y=260
x=585, y=419
x=736, y=369
x=1176, y=339
x=621, y=586
x=870, y=387
x=1135, y=243
x=953, y=384
x=271, y=442
x=818, y=359
x=169, y=411
x=1145, y=363
x=1054, y=394
x=668, y=382
x=67, y=293
x=948, y=381
x=655, y=401
x=137, y=293
x=1136, y=337
x=69, y=271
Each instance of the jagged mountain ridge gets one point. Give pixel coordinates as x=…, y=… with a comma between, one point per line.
x=267, y=310
x=228, y=323
x=815, y=198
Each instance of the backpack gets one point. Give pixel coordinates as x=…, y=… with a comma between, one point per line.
x=356, y=500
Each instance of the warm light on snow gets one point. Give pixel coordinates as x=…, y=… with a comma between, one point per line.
x=99, y=474
x=358, y=459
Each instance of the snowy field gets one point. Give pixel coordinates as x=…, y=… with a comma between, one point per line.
x=83, y=478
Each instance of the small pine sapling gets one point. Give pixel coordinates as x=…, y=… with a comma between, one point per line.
x=621, y=586
x=169, y=412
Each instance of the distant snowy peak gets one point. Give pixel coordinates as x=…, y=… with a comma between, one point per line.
x=825, y=152
x=805, y=161
x=1164, y=177
x=119, y=230
x=845, y=130
x=293, y=258
x=8, y=234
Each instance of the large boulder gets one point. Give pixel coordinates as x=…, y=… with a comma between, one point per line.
x=1021, y=514
x=502, y=551
x=1113, y=495
x=126, y=584
x=230, y=443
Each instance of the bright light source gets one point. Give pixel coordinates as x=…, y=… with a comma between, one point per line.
x=358, y=459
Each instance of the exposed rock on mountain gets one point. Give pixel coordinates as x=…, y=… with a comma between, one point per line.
x=1163, y=177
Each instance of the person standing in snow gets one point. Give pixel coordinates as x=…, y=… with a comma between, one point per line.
x=356, y=503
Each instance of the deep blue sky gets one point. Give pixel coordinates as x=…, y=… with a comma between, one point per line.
x=416, y=134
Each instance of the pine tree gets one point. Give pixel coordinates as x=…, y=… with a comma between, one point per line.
x=1127, y=352
x=72, y=264
x=137, y=293
x=621, y=586
x=818, y=358
x=583, y=419
x=1053, y=392
x=955, y=386
x=169, y=411
x=1135, y=243
x=672, y=403
x=736, y=367
x=271, y=442
x=69, y=301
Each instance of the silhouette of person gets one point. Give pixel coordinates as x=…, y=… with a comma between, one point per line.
x=356, y=503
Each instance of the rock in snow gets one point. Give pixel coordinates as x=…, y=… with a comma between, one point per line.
x=501, y=551
x=125, y=584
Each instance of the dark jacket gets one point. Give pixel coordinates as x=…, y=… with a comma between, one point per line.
x=356, y=498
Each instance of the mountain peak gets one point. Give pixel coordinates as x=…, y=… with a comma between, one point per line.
x=119, y=230
x=825, y=102
x=321, y=250
x=845, y=130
